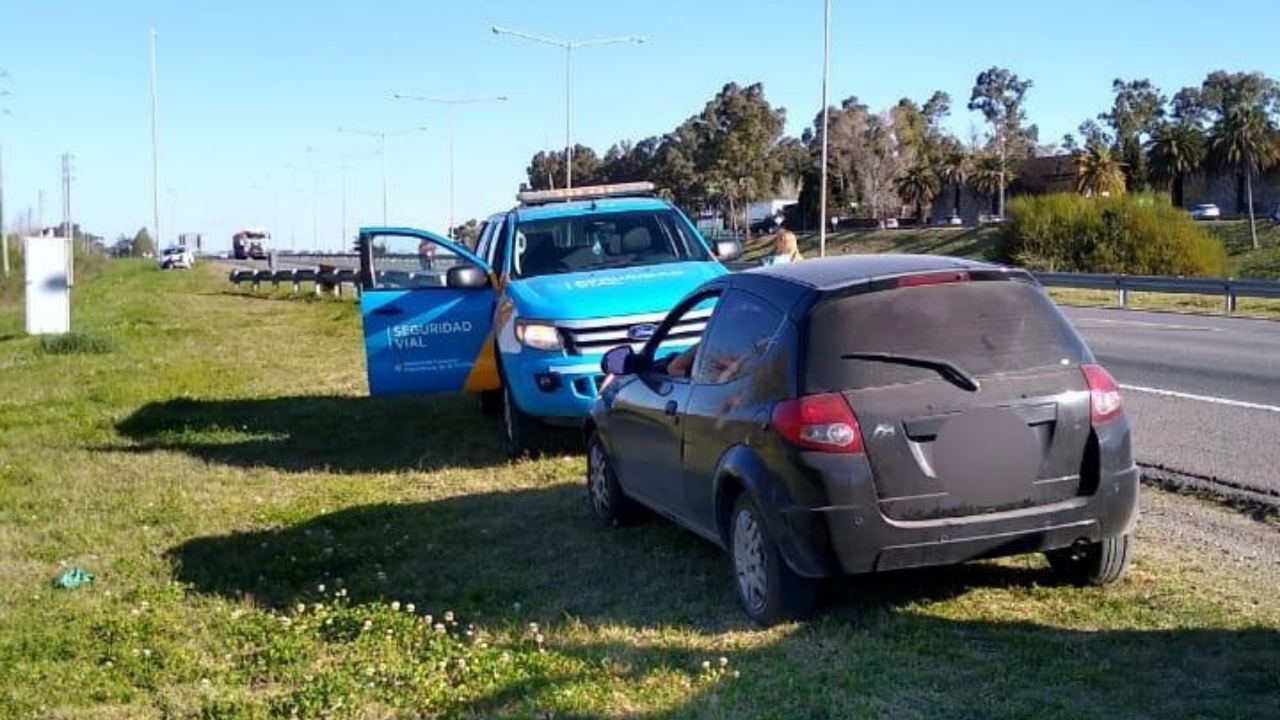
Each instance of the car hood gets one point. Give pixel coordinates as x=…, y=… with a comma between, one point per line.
x=607, y=293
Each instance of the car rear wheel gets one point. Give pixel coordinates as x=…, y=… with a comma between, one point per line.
x=1099, y=563
x=518, y=430
x=770, y=591
x=605, y=497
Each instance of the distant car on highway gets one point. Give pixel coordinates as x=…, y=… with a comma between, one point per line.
x=1205, y=211
x=176, y=257
x=953, y=221
x=866, y=413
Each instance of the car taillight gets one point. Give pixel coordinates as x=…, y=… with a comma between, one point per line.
x=818, y=422
x=1104, y=394
x=934, y=278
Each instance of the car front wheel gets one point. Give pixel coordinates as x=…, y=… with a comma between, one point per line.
x=518, y=430
x=770, y=591
x=1100, y=563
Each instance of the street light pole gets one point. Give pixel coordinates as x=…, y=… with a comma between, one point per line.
x=343, y=170
x=449, y=105
x=569, y=46
x=155, y=149
x=826, y=67
x=382, y=150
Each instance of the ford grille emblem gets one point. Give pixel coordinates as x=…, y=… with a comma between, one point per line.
x=641, y=332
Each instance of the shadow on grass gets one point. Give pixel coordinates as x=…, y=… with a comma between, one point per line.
x=321, y=433
x=882, y=646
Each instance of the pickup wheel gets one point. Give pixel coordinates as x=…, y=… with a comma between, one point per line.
x=490, y=402
x=770, y=591
x=519, y=431
x=605, y=497
x=1100, y=563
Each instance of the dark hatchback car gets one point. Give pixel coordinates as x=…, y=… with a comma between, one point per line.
x=871, y=413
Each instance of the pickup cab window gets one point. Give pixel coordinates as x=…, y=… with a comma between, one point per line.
x=598, y=241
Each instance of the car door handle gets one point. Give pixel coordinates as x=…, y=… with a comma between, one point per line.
x=670, y=408
x=388, y=310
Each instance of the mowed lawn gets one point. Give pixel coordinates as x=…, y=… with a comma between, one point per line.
x=270, y=542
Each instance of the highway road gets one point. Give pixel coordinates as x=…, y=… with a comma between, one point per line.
x=1202, y=392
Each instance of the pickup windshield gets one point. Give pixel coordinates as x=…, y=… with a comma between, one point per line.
x=598, y=241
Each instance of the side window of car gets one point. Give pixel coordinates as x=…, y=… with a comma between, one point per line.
x=737, y=339
x=498, y=245
x=482, y=241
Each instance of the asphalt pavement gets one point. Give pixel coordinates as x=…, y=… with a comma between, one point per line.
x=1202, y=392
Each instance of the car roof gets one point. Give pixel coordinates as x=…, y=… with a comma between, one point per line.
x=582, y=207
x=833, y=273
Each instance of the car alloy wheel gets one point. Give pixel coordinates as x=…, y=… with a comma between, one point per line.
x=749, y=562
x=598, y=482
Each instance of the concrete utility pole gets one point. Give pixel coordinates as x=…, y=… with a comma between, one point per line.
x=826, y=67
x=155, y=151
x=569, y=46
x=449, y=104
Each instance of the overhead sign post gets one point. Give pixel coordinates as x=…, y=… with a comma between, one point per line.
x=48, y=285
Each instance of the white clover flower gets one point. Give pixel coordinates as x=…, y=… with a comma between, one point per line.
x=538, y=638
x=439, y=627
x=735, y=674
x=320, y=588
x=410, y=608
x=395, y=606
x=706, y=665
x=429, y=619
x=448, y=616
x=300, y=608
x=368, y=625
x=724, y=661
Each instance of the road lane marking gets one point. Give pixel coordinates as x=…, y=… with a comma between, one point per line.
x=1161, y=326
x=1202, y=398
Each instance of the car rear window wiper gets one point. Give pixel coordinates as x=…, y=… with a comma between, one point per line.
x=948, y=370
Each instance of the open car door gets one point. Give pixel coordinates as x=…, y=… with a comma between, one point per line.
x=427, y=309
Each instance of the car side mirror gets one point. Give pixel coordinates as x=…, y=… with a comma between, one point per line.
x=466, y=277
x=618, y=361
x=728, y=250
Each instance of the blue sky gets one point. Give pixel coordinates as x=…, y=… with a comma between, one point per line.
x=246, y=87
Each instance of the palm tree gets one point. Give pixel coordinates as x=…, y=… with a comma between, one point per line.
x=954, y=171
x=1243, y=141
x=1173, y=153
x=987, y=176
x=1100, y=173
x=918, y=186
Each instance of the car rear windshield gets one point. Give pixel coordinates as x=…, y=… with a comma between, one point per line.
x=596, y=241
x=983, y=327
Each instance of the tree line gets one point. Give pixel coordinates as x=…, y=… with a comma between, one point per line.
x=882, y=162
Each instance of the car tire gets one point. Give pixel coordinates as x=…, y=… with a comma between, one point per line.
x=519, y=431
x=1100, y=563
x=769, y=590
x=490, y=402
x=608, y=503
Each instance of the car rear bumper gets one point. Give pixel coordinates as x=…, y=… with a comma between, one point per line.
x=860, y=539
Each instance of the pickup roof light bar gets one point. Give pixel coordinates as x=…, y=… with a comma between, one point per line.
x=591, y=192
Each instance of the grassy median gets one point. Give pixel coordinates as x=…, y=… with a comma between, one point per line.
x=270, y=542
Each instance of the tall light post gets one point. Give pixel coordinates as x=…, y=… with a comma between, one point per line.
x=826, y=67
x=315, y=202
x=382, y=136
x=342, y=168
x=569, y=46
x=449, y=105
x=4, y=236
x=155, y=149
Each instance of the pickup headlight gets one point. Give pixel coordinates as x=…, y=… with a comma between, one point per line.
x=538, y=335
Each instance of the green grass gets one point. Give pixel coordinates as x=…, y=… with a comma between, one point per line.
x=259, y=528
x=1242, y=260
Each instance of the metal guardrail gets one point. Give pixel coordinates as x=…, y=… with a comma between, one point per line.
x=327, y=278
x=1229, y=289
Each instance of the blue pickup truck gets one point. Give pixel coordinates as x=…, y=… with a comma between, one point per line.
x=524, y=318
